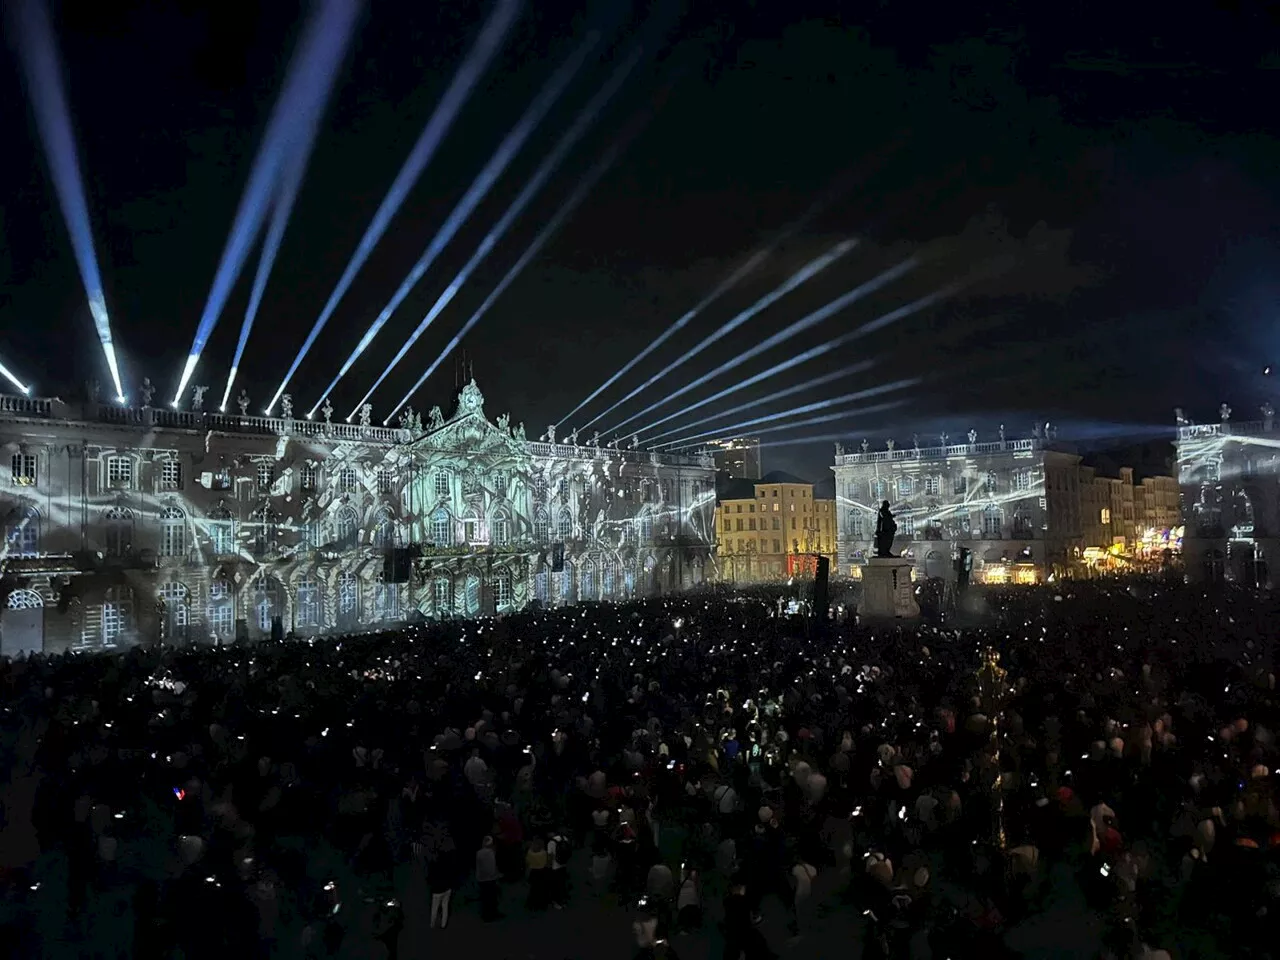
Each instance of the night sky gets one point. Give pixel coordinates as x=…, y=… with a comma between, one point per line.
x=1126, y=186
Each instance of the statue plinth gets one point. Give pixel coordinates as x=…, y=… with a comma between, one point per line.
x=887, y=591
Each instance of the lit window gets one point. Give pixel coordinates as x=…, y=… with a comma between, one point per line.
x=564, y=528
x=441, y=528
x=345, y=528
x=24, y=469
x=442, y=590
x=221, y=612
x=119, y=472
x=173, y=532
x=387, y=600
x=308, y=477
x=119, y=531
x=174, y=595
x=265, y=477
x=222, y=534
x=348, y=480
x=117, y=615
x=541, y=526
x=502, y=591
x=498, y=530
x=308, y=603
x=1022, y=479
x=22, y=532
x=384, y=531
x=442, y=484
x=992, y=481
x=931, y=486
x=348, y=597
x=1106, y=515
x=385, y=480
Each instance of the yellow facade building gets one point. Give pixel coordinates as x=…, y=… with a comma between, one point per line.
x=773, y=529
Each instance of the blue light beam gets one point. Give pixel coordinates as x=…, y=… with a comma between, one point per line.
x=797, y=411
x=482, y=53
x=550, y=163
x=786, y=333
x=803, y=357
x=507, y=150
x=851, y=370
x=725, y=286
x=307, y=86
x=804, y=274
x=13, y=378
x=826, y=418
x=38, y=52
x=575, y=199
x=282, y=210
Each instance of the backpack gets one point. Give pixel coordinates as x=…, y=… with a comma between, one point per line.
x=563, y=850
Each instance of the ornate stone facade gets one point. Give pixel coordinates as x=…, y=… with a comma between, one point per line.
x=1230, y=498
x=122, y=525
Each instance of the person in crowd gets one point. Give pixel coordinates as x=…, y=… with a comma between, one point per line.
x=487, y=880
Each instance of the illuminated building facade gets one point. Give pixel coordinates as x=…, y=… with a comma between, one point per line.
x=773, y=529
x=1014, y=503
x=123, y=525
x=739, y=459
x=1230, y=498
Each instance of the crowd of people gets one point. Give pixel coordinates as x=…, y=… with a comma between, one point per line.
x=1108, y=789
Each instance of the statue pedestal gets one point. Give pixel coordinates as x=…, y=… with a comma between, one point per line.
x=887, y=591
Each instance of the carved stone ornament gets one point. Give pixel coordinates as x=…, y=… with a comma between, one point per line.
x=973, y=437
x=286, y=406
x=1224, y=412
x=1002, y=433
x=435, y=418
x=147, y=391
x=889, y=444
x=243, y=402
x=327, y=410
x=865, y=445
x=551, y=434
x=366, y=414
x=944, y=438
x=197, y=397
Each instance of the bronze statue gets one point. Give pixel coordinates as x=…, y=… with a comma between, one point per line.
x=886, y=528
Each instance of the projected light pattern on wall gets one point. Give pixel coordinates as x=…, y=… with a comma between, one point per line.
x=996, y=498
x=126, y=525
x=1228, y=474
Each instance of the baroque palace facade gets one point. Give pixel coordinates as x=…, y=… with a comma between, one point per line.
x=1229, y=472
x=1013, y=503
x=131, y=524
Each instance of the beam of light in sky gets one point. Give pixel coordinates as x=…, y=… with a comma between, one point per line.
x=725, y=286
x=12, y=377
x=804, y=274
x=308, y=83
x=786, y=333
x=825, y=418
x=38, y=52
x=797, y=411
x=819, y=206
x=799, y=441
x=579, y=194
x=482, y=54
x=511, y=145
x=282, y=210
x=546, y=169
x=850, y=370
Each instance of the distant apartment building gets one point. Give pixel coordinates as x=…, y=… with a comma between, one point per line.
x=773, y=529
x=738, y=458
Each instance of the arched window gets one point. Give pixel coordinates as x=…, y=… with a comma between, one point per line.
x=263, y=523
x=502, y=598
x=540, y=489
x=992, y=521
x=266, y=602
x=564, y=526
x=173, y=533
x=346, y=527
x=22, y=532
x=541, y=526
x=222, y=618
x=119, y=531
x=499, y=531
x=176, y=609
x=348, y=598
x=117, y=615
x=442, y=528
x=629, y=533
x=309, y=608
x=24, y=600
x=587, y=580
x=646, y=528
x=222, y=532
x=384, y=530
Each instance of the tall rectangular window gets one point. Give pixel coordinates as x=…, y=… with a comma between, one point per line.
x=170, y=474
x=119, y=472
x=309, y=477
x=24, y=469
